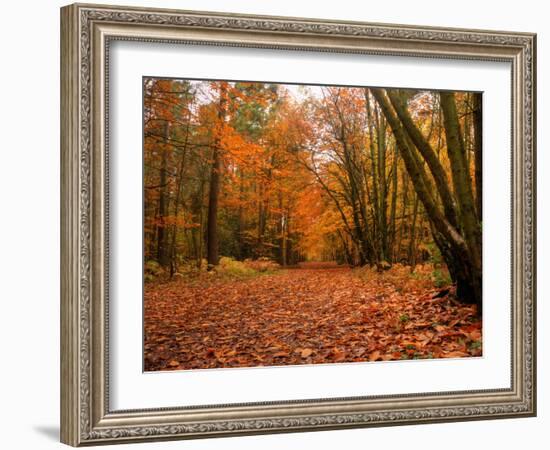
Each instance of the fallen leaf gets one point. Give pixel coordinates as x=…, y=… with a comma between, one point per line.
x=375, y=355
x=338, y=356
x=301, y=316
x=457, y=354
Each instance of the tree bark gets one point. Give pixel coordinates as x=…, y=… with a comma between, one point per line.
x=162, y=247
x=404, y=201
x=179, y=188
x=383, y=191
x=393, y=207
x=461, y=252
x=240, y=218
x=463, y=189
x=478, y=153
x=419, y=178
x=412, y=239
x=425, y=149
x=212, y=246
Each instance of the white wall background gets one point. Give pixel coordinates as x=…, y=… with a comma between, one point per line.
x=29, y=223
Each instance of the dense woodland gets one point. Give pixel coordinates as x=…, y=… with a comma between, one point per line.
x=362, y=176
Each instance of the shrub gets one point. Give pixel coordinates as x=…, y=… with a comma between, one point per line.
x=191, y=268
x=232, y=267
x=228, y=267
x=247, y=268
x=152, y=270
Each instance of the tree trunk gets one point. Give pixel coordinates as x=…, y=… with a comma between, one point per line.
x=284, y=256
x=162, y=247
x=478, y=153
x=383, y=192
x=463, y=189
x=463, y=255
x=404, y=201
x=212, y=249
x=393, y=207
x=179, y=188
x=425, y=149
x=240, y=226
x=412, y=239
x=200, y=249
x=212, y=224
x=376, y=175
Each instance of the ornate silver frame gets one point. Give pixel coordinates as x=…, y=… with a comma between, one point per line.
x=86, y=31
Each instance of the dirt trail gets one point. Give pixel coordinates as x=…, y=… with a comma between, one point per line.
x=317, y=313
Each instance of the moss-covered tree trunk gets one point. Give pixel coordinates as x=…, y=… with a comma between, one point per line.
x=455, y=226
x=462, y=183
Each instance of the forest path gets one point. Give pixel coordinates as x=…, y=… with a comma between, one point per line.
x=316, y=313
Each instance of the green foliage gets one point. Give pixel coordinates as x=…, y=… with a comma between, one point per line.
x=435, y=254
x=228, y=233
x=404, y=318
x=441, y=278
x=233, y=268
x=440, y=275
x=152, y=270
x=475, y=344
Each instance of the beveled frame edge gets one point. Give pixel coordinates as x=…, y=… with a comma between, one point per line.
x=85, y=33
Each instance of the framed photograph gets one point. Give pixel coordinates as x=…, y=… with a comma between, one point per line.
x=275, y=224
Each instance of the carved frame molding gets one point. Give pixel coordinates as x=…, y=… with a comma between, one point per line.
x=86, y=32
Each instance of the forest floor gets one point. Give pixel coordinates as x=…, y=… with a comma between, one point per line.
x=317, y=313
